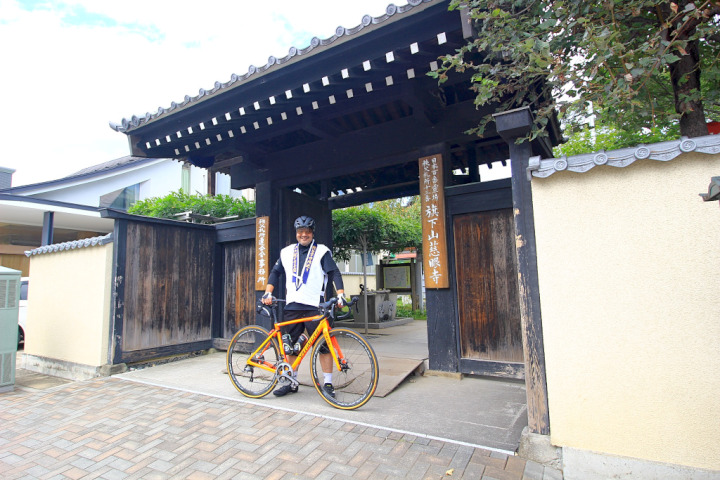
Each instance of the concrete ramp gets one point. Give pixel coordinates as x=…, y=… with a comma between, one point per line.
x=392, y=373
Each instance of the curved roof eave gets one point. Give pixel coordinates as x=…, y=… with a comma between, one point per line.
x=342, y=35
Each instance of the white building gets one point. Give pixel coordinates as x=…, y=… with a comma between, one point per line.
x=68, y=208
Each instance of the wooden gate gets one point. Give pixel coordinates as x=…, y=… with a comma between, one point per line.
x=180, y=287
x=489, y=327
x=163, y=288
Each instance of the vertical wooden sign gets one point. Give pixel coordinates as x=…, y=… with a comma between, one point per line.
x=262, y=269
x=432, y=198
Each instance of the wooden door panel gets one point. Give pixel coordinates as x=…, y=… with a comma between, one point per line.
x=167, y=299
x=486, y=272
x=239, y=295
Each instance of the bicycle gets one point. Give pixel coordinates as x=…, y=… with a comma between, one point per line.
x=257, y=359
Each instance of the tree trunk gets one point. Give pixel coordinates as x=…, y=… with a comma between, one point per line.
x=685, y=78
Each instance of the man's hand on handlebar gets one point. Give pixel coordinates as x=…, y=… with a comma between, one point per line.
x=267, y=298
x=341, y=302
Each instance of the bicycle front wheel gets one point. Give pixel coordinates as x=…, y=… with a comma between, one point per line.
x=357, y=378
x=250, y=379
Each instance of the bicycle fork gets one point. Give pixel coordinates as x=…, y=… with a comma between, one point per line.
x=334, y=347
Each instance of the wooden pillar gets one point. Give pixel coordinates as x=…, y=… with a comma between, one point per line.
x=117, y=319
x=211, y=181
x=511, y=126
x=47, y=230
x=267, y=204
x=417, y=291
x=473, y=164
x=441, y=303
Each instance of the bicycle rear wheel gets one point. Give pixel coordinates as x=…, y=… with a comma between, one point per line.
x=250, y=380
x=357, y=379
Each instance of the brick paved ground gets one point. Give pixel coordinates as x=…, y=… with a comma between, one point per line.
x=115, y=429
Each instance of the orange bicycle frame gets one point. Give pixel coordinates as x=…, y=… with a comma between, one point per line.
x=322, y=329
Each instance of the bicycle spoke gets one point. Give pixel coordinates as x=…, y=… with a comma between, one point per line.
x=357, y=379
x=244, y=360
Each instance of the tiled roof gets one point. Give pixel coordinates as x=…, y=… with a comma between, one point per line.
x=102, y=168
x=663, y=151
x=713, y=190
x=117, y=163
x=59, y=247
x=316, y=44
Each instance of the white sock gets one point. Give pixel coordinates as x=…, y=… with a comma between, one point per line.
x=328, y=377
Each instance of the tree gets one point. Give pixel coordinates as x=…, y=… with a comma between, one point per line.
x=639, y=63
x=374, y=228
x=611, y=138
x=178, y=202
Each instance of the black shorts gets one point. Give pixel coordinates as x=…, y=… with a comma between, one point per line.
x=296, y=329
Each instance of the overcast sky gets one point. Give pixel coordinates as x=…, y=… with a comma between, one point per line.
x=71, y=67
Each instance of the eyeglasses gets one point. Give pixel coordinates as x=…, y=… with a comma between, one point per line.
x=303, y=231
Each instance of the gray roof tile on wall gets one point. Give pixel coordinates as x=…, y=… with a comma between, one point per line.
x=59, y=247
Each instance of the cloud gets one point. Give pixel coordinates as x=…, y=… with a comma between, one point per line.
x=71, y=67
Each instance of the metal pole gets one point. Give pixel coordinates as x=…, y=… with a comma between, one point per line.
x=365, y=303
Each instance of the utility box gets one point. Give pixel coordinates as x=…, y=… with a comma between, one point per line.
x=9, y=311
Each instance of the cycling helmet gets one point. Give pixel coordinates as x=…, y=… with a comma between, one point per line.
x=305, y=222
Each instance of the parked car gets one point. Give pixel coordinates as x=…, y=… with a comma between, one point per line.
x=22, y=313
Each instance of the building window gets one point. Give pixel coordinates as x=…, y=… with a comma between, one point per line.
x=121, y=199
x=185, y=180
x=355, y=265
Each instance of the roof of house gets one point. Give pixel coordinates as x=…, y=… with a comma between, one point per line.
x=112, y=165
x=116, y=165
x=29, y=211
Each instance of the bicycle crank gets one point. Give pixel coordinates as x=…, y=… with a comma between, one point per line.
x=284, y=372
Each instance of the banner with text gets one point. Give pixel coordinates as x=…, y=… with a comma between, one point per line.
x=262, y=269
x=432, y=197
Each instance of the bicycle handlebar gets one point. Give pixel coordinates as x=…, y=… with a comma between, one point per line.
x=327, y=308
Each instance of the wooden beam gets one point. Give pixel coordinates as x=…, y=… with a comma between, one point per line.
x=493, y=369
x=374, y=195
x=468, y=24
x=370, y=147
x=511, y=126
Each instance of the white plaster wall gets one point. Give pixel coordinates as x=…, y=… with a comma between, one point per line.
x=222, y=186
x=68, y=311
x=628, y=265
x=198, y=182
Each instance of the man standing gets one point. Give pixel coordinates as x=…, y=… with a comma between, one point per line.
x=308, y=267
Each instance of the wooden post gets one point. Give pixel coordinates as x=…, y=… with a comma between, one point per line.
x=267, y=204
x=48, y=228
x=263, y=263
x=365, y=290
x=441, y=303
x=511, y=126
